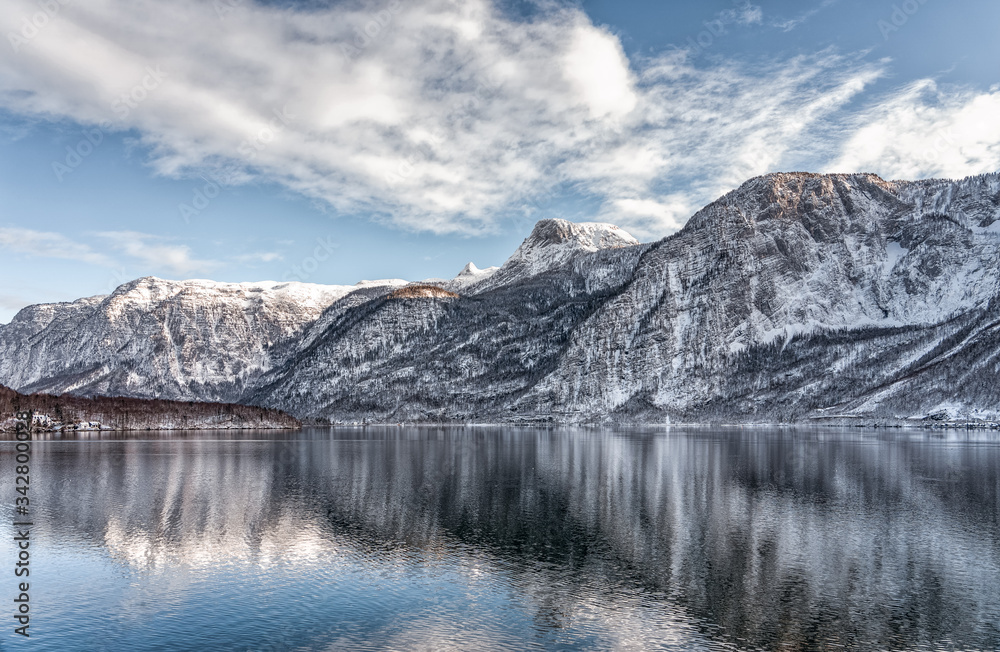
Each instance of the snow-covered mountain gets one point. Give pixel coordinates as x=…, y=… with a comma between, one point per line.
x=553, y=245
x=151, y=338
x=796, y=296
x=801, y=295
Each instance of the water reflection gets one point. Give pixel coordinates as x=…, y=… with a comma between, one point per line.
x=496, y=538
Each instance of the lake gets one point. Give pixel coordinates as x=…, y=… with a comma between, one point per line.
x=493, y=538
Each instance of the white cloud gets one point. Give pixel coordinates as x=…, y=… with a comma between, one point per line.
x=702, y=133
x=597, y=66
x=11, y=302
x=659, y=213
x=49, y=245
x=745, y=14
x=435, y=115
x=923, y=132
x=152, y=252
x=789, y=24
x=259, y=257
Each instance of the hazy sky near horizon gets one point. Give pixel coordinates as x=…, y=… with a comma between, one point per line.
x=332, y=142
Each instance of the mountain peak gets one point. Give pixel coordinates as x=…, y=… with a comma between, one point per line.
x=827, y=202
x=472, y=273
x=554, y=242
x=585, y=235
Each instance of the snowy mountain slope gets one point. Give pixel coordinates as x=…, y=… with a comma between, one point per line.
x=553, y=244
x=191, y=339
x=843, y=375
x=956, y=379
x=32, y=320
x=782, y=255
x=439, y=356
x=156, y=338
x=362, y=293
x=794, y=297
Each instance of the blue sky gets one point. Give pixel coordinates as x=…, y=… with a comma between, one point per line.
x=335, y=142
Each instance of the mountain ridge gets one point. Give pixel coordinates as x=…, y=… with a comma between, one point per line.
x=795, y=297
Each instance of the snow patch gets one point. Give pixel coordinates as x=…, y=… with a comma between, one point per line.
x=554, y=242
x=894, y=252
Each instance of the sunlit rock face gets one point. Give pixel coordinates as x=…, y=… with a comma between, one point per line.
x=794, y=297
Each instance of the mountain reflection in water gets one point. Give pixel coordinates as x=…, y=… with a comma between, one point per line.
x=499, y=538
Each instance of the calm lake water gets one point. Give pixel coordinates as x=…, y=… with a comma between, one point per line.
x=507, y=539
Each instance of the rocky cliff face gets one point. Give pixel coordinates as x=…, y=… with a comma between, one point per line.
x=796, y=296
x=765, y=277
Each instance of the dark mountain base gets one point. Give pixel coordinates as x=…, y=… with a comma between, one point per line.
x=69, y=413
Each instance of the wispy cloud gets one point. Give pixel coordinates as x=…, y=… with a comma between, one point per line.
x=922, y=131
x=12, y=303
x=443, y=116
x=259, y=257
x=745, y=13
x=149, y=253
x=787, y=25
x=155, y=252
x=700, y=133
x=45, y=244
